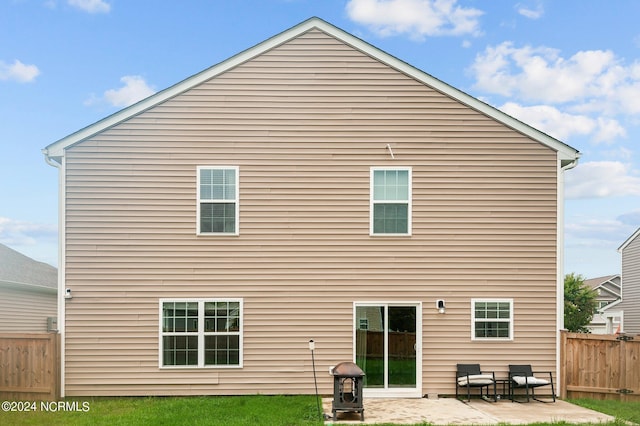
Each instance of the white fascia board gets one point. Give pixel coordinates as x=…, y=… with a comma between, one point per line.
x=610, y=305
x=565, y=152
x=629, y=240
x=56, y=149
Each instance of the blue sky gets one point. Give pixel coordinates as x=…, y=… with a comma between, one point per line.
x=570, y=68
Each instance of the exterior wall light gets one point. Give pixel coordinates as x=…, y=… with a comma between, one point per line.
x=440, y=305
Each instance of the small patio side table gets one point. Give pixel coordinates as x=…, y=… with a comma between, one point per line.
x=506, y=388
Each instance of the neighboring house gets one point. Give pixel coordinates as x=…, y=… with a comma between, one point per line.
x=28, y=288
x=630, y=305
x=607, y=317
x=309, y=187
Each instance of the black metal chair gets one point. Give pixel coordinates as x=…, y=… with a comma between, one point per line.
x=471, y=376
x=523, y=377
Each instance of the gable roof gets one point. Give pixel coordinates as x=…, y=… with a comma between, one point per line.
x=18, y=269
x=609, y=284
x=629, y=240
x=55, y=151
x=598, y=281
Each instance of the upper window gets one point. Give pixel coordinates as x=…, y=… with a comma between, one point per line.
x=201, y=333
x=492, y=319
x=218, y=200
x=390, y=201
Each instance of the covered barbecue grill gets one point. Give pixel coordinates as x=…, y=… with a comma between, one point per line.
x=347, y=389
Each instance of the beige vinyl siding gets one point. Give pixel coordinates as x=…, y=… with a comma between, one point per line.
x=304, y=123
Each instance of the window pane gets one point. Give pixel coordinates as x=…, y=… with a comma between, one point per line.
x=390, y=219
x=230, y=184
x=167, y=317
x=481, y=310
x=180, y=317
x=206, y=184
x=233, y=319
x=217, y=184
x=503, y=310
x=485, y=310
x=492, y=329
x=222, y=350
x=180, y=350
x=390, y=185
x=378, y=185
x=222, y=316
x=217, y=217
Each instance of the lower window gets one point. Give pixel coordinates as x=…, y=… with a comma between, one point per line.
x=492, y=319
x=201, y=333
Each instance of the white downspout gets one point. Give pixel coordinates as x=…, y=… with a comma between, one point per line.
x=61, y=262
x=560, y=262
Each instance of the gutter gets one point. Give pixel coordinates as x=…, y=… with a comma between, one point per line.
x=49, y=160
x=58, y=163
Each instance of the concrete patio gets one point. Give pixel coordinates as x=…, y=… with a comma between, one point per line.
x=449, y=411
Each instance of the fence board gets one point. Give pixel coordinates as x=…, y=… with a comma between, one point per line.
x=600, y=366
x=29, y=366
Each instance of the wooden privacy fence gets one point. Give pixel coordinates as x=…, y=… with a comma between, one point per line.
x=600, y=366
x=401, y=344
x=29, y=366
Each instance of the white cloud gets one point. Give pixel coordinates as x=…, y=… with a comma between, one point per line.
x=596, y=232
x=417, y=18
x=18, y=72
x=531, y=13
x=562, y=125
x=608, y=130
x=600, y=179
x=91, y=6
x=591, y=81
x=134, y=90
x=541, y=74
x=16, y=232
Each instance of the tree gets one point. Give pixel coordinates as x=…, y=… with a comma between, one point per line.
x=579, y=303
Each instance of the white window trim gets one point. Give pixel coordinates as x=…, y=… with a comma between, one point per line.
x=236, y=201
x=200, y=333
x=409, y=202
x=492, y=339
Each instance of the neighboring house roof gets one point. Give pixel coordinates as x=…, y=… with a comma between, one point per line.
x=17, y=269
x=55, y=151
x=609, y=284
x=629, y=240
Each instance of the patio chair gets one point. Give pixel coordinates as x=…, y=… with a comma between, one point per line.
x=470, y=376
x=522, y=377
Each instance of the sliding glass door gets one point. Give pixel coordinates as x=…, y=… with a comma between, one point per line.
x=387, y=343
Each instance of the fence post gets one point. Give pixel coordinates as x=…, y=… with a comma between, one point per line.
x=562, y=376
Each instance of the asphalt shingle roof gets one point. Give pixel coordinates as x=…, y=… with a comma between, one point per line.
x=20, y=269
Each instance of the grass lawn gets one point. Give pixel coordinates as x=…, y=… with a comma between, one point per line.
x=624, y=411
x=252, y=410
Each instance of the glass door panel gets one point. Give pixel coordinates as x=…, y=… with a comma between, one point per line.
x=402, y=346
x=370, y=322
x=385, y=338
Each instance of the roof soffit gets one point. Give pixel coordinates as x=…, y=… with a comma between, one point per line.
x=566, y=154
